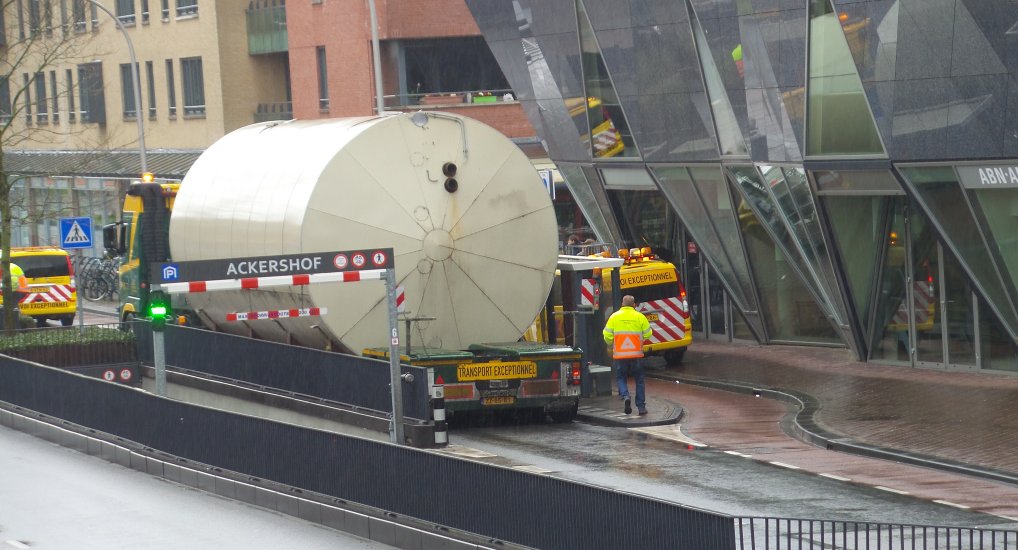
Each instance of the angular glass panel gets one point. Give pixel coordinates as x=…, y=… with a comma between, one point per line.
x=999, y=206
x=890, y=341
x=677, y=185
x=876, y=182
x=609, y=131
x=839, y=116
x=717, y=201
x=926, y=290
x=729, y=136
x=590, y=197
x=858, y=224
x=646, y=220
x=940, y=195
x=789, y=309
x=959, y=314
x=634, y=178
x=997, y=349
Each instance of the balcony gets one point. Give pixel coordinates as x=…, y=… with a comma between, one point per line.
x=266, y=27
x=451, y=99
x=280, y=110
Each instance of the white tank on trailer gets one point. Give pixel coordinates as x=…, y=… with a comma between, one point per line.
x=477, y=255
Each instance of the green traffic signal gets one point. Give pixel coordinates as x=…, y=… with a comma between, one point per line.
x=157, y=309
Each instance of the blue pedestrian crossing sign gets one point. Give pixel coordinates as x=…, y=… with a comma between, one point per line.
x=76, y=232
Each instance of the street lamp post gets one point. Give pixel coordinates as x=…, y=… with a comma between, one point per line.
x=137, y=84
x=376, y=58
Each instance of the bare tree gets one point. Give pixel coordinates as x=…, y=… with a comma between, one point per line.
x=42, y=36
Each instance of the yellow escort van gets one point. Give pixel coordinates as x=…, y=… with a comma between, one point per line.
x=51, y=289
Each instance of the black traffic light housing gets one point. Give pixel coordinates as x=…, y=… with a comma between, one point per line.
x=158, y=309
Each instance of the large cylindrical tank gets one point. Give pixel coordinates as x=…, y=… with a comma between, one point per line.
x=478, y=257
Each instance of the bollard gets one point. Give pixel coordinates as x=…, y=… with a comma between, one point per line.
x=438, y=415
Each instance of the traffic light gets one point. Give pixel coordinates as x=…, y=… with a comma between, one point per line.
x=158, y=309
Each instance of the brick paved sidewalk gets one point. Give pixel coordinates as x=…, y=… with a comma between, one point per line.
x=971, y=418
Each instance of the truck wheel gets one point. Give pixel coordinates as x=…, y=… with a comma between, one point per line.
x=40, y=322
x=674, y=357
x=67, y=320
x=563, y=417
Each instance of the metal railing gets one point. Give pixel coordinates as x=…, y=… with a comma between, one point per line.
x=279, y=110
x=73, y=346
x=768, y=533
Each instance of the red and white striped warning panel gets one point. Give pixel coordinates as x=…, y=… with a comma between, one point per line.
x=400, y=299
x=276, y=314
x=253, y=283
x=43, y=293
x=667, y=319
x=589, y=292
x=923, y=296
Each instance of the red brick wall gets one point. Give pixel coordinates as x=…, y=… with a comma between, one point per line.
x=342, y=27
x=428, y=18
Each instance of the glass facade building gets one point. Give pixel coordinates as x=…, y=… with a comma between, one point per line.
x=826, y=172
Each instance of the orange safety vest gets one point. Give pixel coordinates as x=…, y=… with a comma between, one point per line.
x=625, y=331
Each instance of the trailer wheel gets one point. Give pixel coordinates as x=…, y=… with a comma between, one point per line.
x=674, y=356
x=67, y=320
x=563, y=417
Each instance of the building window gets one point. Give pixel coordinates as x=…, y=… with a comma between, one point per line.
x=127, y=89
x=72, y=113
x=125, y=11
x=21, y=20
x=93, y=99
x=171, y=91
x=28, y=98
x=194, y=86
x=5, y=100
x=144, y=12
x=54, y=95
x=41, y=99
x=166, y=10
x=151, y=90
x=63, y=17
x=78, y=14
x=187, y=7
x=323, y=80
x=47, y=17
x=34, y=17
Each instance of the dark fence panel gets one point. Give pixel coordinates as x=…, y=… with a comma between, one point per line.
x=349, y=379
x=532, y=510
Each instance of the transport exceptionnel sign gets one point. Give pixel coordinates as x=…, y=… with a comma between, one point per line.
x=269, y=266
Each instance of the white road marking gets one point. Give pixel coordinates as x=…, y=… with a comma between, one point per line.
x=832, y=476
x=671, y=432
x=532, y=469
x=1009, y=518
x=737, y=453
x=16, y=544
x=465, y=452
x=783, y=465
x=890, y=490
x=946, y=503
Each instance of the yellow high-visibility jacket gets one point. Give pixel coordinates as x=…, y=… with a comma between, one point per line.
x=625, y=331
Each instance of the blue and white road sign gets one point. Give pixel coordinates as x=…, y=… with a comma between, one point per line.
x=76, y=232
x=549, y=182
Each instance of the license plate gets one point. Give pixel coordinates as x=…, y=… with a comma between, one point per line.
x=652, y=317
x=498, y=400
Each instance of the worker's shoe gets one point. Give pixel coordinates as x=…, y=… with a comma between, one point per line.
x=643, y=412
x=628, y=407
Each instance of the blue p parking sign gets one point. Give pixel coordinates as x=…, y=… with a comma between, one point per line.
x=76, y=232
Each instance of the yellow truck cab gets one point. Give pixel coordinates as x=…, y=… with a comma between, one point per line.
x=52, y=293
